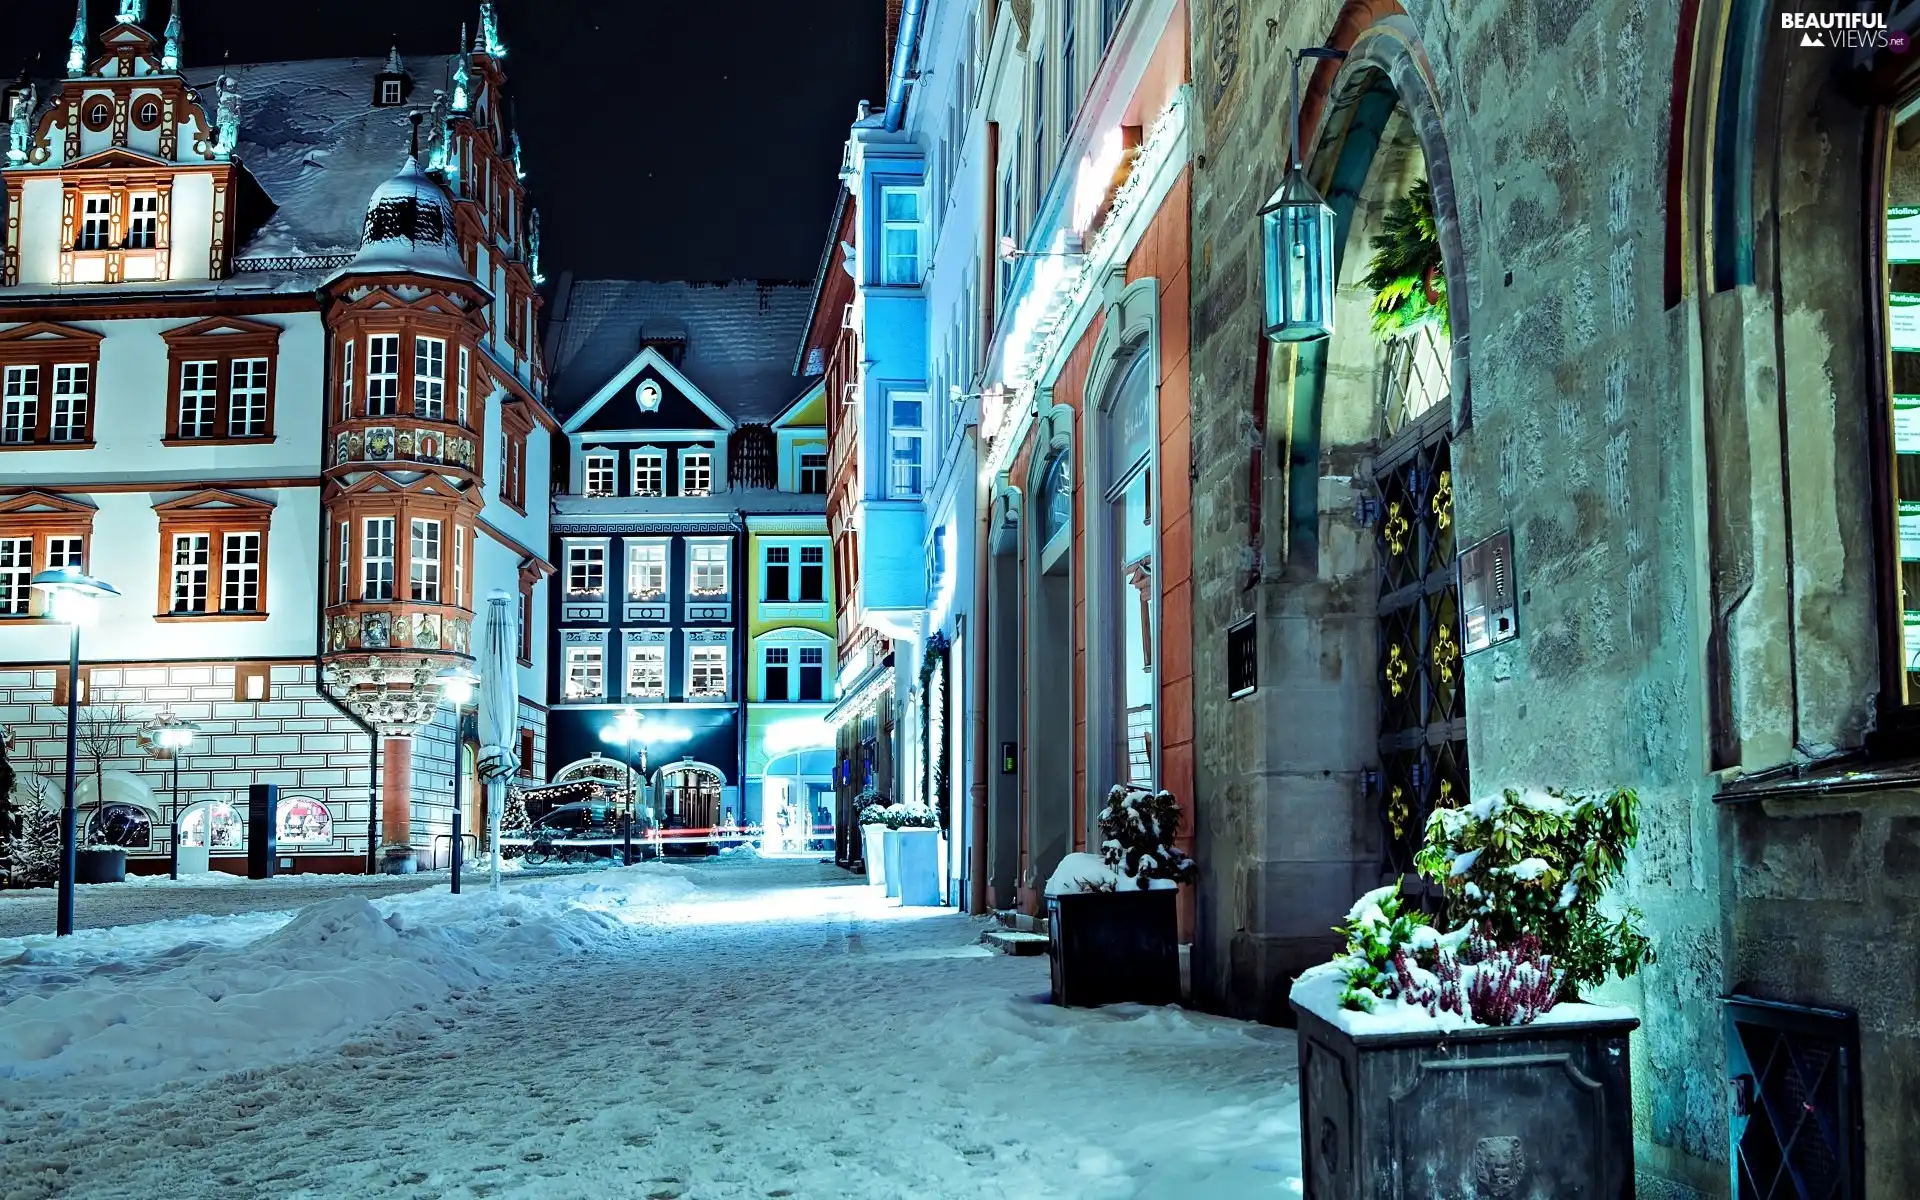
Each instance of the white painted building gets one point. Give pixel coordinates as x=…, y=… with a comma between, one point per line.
x=268, y=366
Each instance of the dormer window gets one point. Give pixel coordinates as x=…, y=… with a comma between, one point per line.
x=696, y=474
x=649, y=474
x=389, y=92
x=600, y=474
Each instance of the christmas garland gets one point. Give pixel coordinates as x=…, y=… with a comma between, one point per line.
x=1406, y=273
x=932, y=662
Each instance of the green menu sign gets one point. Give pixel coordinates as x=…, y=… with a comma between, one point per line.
x=1912, y=622
x=1906, y=424
x=1903, y=321
x=1903, y=233
x=1910, y=531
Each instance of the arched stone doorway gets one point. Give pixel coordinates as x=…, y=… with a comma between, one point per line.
x=1047, y=605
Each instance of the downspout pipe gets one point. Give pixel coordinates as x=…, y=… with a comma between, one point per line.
x=979, y=697
x=906, y=48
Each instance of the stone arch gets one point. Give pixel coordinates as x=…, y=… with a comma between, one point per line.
x=598, y=768
x=1046, y=598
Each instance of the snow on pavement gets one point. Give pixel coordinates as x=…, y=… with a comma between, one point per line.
x=734, y=1029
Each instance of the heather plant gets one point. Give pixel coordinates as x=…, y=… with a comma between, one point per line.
x=1137, y=831
x=1539, y=865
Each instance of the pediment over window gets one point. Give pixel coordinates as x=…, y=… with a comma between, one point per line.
x=45, y=333
x=118, y=158
x=45, y=504
x=221, y=327
x=213, y=500
x=381, y=484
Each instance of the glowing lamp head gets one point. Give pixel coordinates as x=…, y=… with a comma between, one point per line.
x=171, y=733
x=625, y=728
x=73, y=598
x=456, y=684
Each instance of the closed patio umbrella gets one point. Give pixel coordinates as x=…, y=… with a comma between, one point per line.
x=499, y=717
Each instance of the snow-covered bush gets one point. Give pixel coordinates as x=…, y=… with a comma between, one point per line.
x=1137, y=829
x=872, y=810
x=1540, y=864
x=1392, y=952
x=911, y=815
x=1514, y=985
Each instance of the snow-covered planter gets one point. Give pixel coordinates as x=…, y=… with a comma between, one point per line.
x=100, y=864
x=913, y=865
x=873, y=836
x=1112, y=919
x=1458, y=1059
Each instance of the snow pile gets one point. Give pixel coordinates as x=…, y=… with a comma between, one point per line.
x=151, y=1003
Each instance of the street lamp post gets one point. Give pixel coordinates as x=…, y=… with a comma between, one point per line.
x=173, y=735
x=626, y=730
x=72, y=598
x=456, y=684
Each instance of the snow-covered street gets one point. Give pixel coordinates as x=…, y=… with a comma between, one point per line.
x=731, y=1029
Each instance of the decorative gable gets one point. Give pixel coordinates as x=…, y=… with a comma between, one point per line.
x=649, y=393
x=45, y=504
x=215, y=502
x=43, y=333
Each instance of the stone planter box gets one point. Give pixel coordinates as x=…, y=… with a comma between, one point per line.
x=913, y=866
x=891, y=856
x=1478, y=1113
x=99, y=864
x=1114, y=947
x=873, y=851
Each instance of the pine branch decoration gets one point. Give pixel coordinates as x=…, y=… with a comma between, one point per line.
x=1407, y=271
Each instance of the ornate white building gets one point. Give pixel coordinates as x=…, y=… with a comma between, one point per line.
x=268, y=366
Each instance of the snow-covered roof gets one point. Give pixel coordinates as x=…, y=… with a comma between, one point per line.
x=311, y=135
x=410, y=229
x=740, y=338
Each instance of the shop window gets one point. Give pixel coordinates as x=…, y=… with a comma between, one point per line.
x=303, y=821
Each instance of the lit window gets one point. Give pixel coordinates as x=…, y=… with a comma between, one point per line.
x=346, y=384
x=16, y=569
x=586, y=673
x=813, y=473
x=96, y=225
x=646, y=672
x=389, y=92
x=813, y=574
x=143, y=229
x=430, y=378
x=707, y=673
x=377, y=559
x=586, y=570
x=600, y=474
x=199, y=394
x=423, y=562
x=646, y=570
x=20, y=406
x=70, y=402
x=908, y=446
x=345, y=565
x=191, y=567
x=383, y=374
x=459, y=566
x=649, y=475
x=240, y=573
x=696, y=474
x=465, y=384
x=779, y=574
x=247, y=399
x=776, y=680
x=813, y=673
x=900, y=235
x=708, y=570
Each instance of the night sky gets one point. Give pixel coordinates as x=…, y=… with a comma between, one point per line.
x=664, y=139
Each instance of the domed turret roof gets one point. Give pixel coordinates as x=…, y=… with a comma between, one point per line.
x=409, y=229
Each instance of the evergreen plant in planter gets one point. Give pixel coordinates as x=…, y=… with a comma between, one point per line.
x=913, y=855
x=873, y=833
x=1112, y=921
x=1461, y=1060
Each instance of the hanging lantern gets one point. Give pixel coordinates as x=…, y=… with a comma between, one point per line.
x=1296, y=244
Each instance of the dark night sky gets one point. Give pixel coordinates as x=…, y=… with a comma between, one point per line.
x=664, y=139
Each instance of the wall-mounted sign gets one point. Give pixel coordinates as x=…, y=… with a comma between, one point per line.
x=1910, y=531
x=1911, y=621
x=1903, y=233
x=1903, y=321
x=1906, y=424
x=1010, y=757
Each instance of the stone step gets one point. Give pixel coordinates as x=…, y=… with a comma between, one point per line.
x=1015, y=920
x=1013, y=941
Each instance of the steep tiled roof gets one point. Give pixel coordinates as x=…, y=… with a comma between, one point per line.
x=740, y=339
x=312, y=137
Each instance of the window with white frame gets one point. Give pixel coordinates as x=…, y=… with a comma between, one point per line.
x=696, y=473
x=586, y=675
x=192, y=553
x=813, y=574
x=778, y=579
x=66, y=552
x=459, y=566
x=900, y=235
x=423, y=561
x=430, y=378
x=813, y=472
x=646, y=570
x=465, y=383
x=587, y=569
x=199, y=396
x=383, y=374
x=707, y=672
x=599, y=474
x=647, y=672
x=96, y=223
x=376, y=559
x=649, y=473
x=240, y=573
x=1069, y=95
x=907, y=433
x=70, y=402
x=346, y=383
x=707, y=569
x=20, y=404
x=143, y=223
x=344, y=567
x=389, y=92
x=16, y=570
x=1040, y=162
x=813, y=673
x=247, y=398
x=775, y=685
